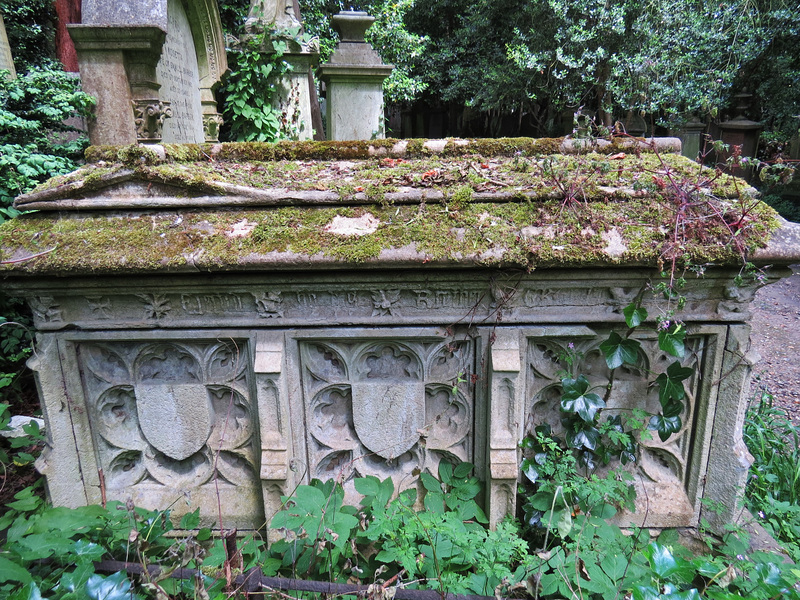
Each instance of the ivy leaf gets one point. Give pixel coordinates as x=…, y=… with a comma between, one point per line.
x=585, y=438
x=529, y=470
x=672, y=408
x=645, y=592
x=11, y=571
x=577, y=399
x=672, y=342
x=661, y=560
x=634, y=315
x=670, y=384
x=619, y=350
x=113, y=587
x=665, y=426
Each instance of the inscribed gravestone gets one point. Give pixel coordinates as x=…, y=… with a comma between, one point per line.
x=153, y=66
x=6, y=60
x=178, y=74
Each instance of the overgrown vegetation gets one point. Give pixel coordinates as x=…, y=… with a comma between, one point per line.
x=434, y=541
x=773, y=490
x=33, y=145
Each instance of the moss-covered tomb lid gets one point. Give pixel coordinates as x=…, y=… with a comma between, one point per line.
x=508, y=202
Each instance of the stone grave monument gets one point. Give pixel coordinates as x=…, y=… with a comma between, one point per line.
x=354, y=78
x=6, y=59
x=294, y=94
x=224, y=322
x=153, y=66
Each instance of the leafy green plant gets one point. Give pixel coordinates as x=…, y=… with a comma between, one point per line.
x=590, y=441
x=256, y=66
x=773, y=488
x=445, y=545
x=33, y=108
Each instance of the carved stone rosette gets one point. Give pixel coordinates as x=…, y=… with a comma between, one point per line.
x=149, y=118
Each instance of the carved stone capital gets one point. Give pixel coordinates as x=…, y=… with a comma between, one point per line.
x=211, y=125
x=149, y=118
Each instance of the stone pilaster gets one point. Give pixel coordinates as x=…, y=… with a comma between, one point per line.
x=273, y=412
x=505, y=423
x=729, y=460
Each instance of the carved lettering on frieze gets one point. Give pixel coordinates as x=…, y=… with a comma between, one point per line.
x=345, y=303
x=156, y=306
x=269, y=304
x=307, y=303
x=200, y=304
x=386, y=407
x=465, y=300
x=170, y=414
x=538, y=297
x=100, y=306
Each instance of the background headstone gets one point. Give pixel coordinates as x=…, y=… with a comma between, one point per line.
x=153, y=67
x=177, y=74
x=6, y=60
x=354, y=82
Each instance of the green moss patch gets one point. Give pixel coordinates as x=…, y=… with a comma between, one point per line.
x=523, y=234
x=491, y=202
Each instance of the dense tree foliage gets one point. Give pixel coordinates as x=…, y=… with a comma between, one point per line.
x=30, y=29
x=534, y=60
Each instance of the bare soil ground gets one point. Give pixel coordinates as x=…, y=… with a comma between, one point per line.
x=776, y=337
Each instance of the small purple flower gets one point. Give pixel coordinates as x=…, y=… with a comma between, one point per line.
x=571, y=346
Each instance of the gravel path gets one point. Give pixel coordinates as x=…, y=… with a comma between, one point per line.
x=776, y=337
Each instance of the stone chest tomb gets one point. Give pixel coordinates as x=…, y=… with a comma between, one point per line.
x=232, y=320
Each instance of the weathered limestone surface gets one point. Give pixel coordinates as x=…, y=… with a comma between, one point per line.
x=208, y=325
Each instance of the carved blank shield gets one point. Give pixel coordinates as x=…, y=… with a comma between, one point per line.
x=388, y=415
x=174, y=417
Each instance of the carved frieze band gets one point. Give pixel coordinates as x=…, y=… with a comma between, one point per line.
x=287, y=304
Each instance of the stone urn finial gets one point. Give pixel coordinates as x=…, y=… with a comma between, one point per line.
x=352, y=25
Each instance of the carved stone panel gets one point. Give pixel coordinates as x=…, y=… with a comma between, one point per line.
x=389, y=408
x=663, y=471
x=174, y=420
